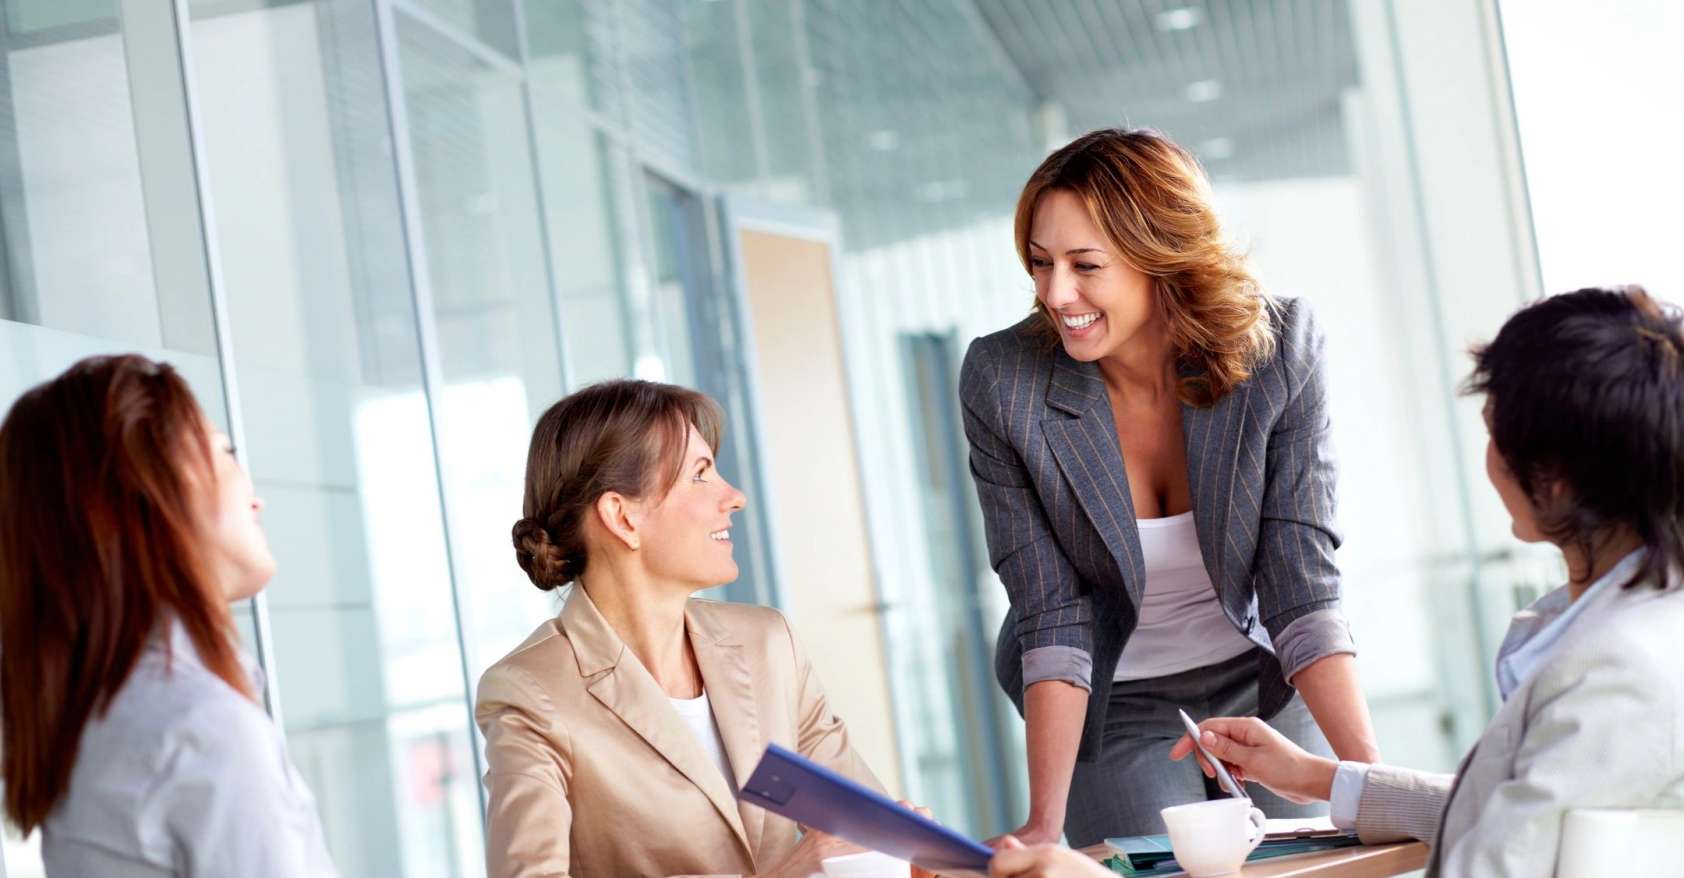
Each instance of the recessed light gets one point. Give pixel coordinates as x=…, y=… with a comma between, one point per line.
x=936, y=191
x=1203, y=90
x=1217, y=148
x=1182, y=18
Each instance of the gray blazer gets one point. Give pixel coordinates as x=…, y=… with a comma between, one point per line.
x=1061, y=529
x=1599, y=725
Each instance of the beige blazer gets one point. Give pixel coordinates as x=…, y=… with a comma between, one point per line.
x=1599, y=725
x=591, y=773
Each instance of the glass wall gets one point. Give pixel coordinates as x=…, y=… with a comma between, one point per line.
x=1603, y=183
x=381, y=236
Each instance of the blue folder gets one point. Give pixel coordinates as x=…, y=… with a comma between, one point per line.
x=814, y=796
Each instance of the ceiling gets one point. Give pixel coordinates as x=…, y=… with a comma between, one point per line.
x=1253, y=86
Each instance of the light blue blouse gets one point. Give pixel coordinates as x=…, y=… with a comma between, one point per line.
x=184, y=776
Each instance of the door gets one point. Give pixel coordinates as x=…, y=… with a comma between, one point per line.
x=787, y=316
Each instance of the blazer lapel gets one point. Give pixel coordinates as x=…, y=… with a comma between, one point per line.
x=628, y=690
x=1083, y=438
x=1213, y=447
x=730, y=688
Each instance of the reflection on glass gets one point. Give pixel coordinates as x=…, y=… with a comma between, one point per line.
x=496, y=323
x=677, y=232
x=490, y=23
x=578, y=196
x=949, y=647
x=339, y=440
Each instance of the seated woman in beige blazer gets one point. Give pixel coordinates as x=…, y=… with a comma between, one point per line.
x=617, y=734
x=1585, y=407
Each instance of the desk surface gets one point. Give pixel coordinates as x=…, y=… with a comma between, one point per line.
x=1378, y=861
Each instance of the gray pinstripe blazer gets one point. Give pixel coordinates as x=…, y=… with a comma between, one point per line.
x=1060, y=522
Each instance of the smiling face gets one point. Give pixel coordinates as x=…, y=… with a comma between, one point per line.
x=1098, y=301
x=685, y=536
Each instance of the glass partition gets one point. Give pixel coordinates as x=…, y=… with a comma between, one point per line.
x=326, y=346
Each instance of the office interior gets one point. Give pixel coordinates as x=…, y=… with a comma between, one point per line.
x=380, y=237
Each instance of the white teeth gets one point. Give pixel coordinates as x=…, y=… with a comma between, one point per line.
x=1081, y=321
x=720, y=535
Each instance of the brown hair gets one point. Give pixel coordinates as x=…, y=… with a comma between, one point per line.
x=614, y=436
x=1151, y=200
x=98, y=551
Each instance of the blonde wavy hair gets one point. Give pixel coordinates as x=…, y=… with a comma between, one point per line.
x=1151, y=200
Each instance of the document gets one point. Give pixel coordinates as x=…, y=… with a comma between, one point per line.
x=816, y=797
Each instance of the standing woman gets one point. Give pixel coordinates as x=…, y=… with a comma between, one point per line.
x=131, y=732
x=1150, y=448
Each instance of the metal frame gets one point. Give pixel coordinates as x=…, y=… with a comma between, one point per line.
x=432, y=375
x=181, y=18
x=973, y=560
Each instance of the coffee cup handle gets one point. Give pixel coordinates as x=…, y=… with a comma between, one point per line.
x=1257, y=818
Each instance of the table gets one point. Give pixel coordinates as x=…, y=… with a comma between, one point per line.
x=1368, y=861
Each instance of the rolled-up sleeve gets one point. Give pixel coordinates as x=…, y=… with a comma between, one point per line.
x=1054, y=615
x=1295, y=577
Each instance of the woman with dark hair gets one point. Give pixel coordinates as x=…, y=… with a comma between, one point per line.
x=131, y=732
x=618, y=734
x=1150, y=449
x=1584, y=401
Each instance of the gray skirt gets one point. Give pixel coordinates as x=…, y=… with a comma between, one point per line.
x=1122, y=792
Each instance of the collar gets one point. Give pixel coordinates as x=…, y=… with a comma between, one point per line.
x=598, y=647
x=171, y=640
x=1535, y=631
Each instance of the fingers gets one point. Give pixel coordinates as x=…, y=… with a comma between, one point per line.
x=1010, y=843
x=1220, y=746
x=920, y=810
x=1246, y=730
x=1183, y=748
x=1023, y=862
x=1010, y=862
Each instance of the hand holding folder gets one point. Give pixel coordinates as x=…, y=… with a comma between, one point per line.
x=791, y=786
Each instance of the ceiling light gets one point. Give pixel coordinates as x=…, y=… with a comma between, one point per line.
x=1217, y=148
x=937, y=191
x=1203, y=90
x=1183, y=18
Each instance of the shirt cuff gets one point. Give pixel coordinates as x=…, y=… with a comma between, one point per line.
x=1312, y=637
x=1067, y=663
x=1348, y=780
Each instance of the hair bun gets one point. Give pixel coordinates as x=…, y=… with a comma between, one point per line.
x=544, y=562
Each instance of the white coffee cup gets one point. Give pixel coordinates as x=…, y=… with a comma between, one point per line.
x=1212, y=838
x=867, y=864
